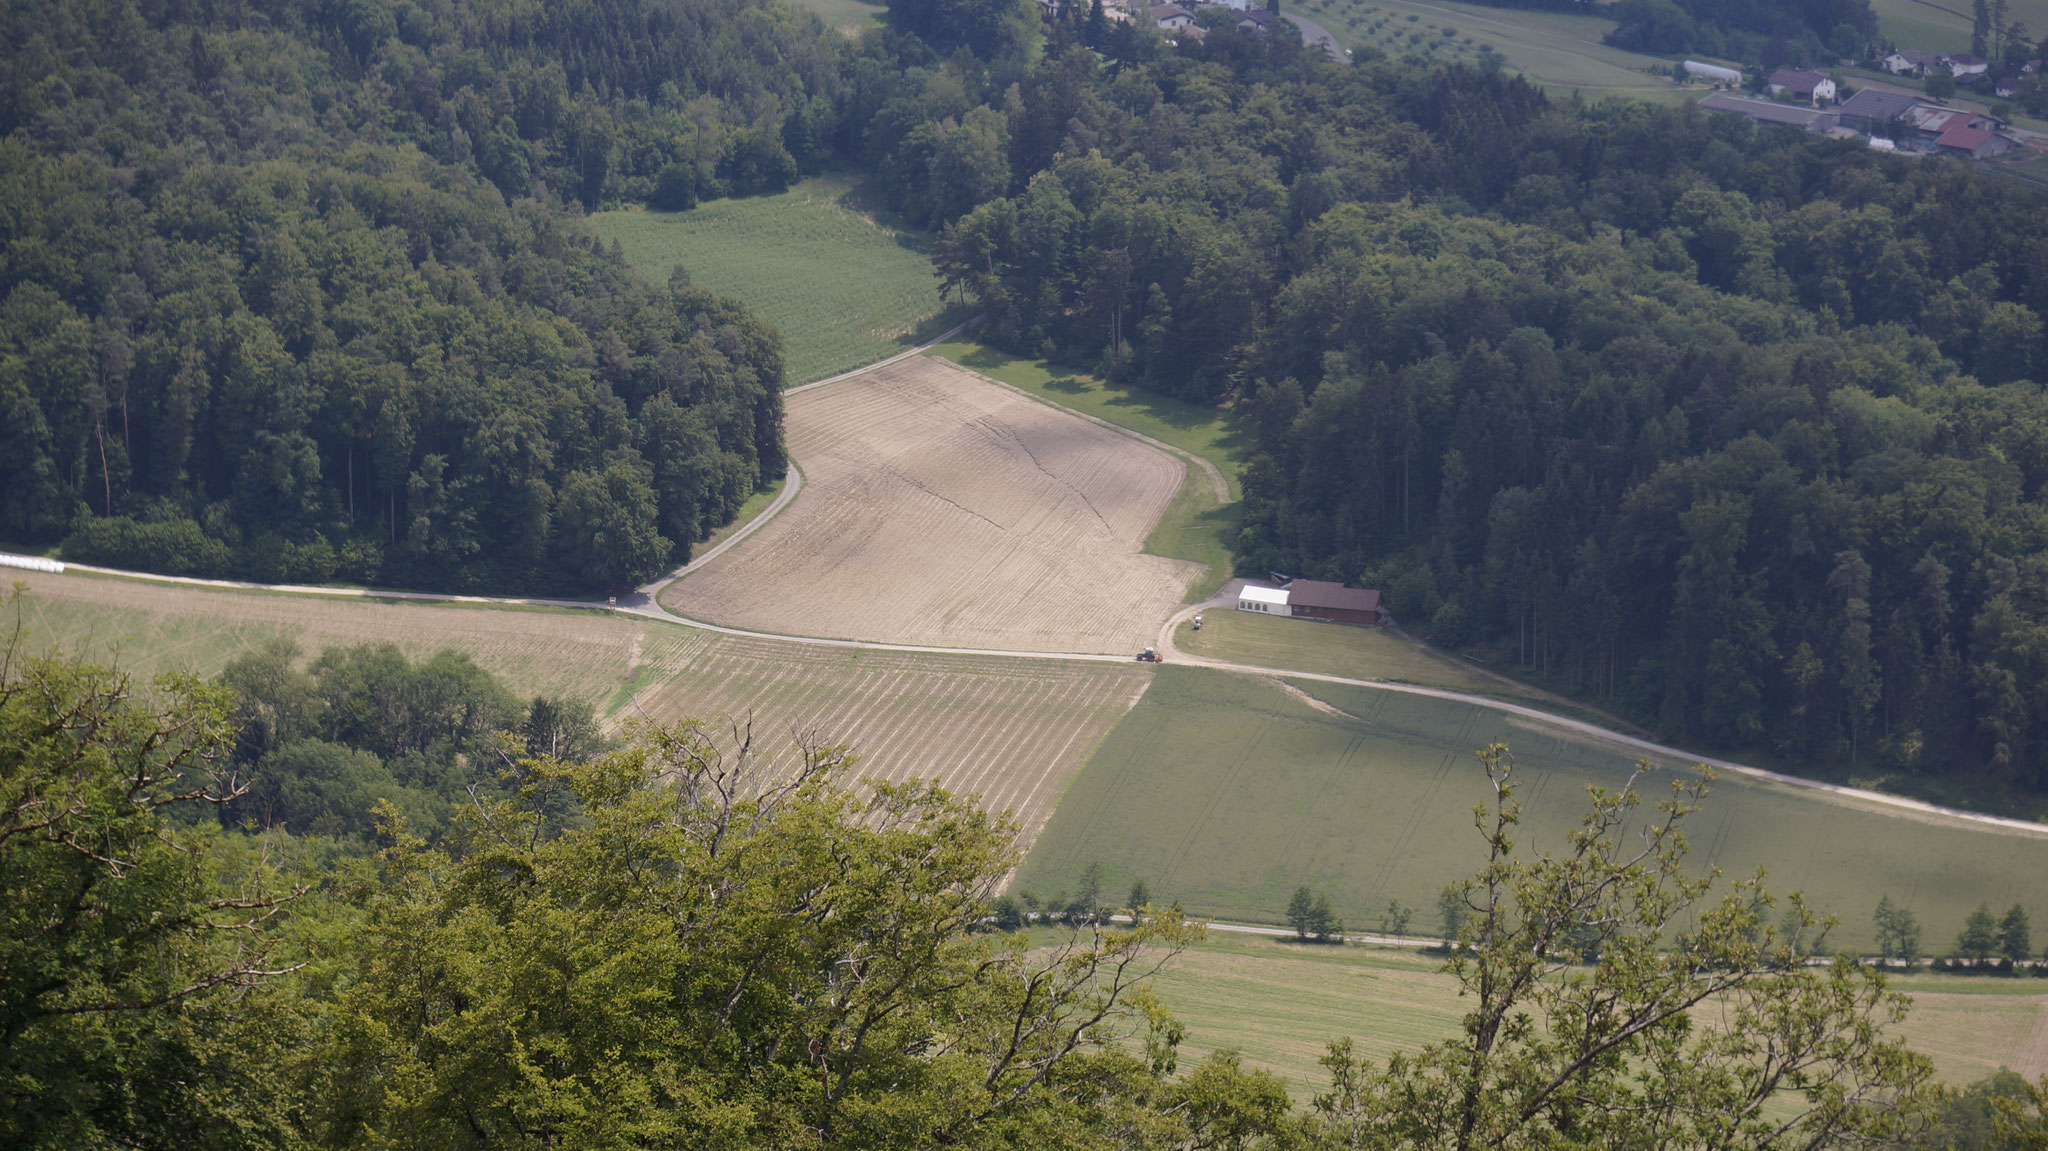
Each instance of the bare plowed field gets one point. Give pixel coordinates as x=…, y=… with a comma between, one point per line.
x=1013, y=731
x=941, y=509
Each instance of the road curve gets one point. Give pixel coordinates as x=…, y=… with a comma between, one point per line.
x=1580, y=727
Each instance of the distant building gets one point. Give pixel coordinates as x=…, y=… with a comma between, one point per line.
x=1171, y=16
x=1966, y=143
x=1314, y=599
x=1324, y=600
x=1909, y=63
x=1765, y=112
x=1713, y=73
x=1963, y=64
x=1254, y=21
x=1270, y=600
x=1872, y=112
x=1811, y=87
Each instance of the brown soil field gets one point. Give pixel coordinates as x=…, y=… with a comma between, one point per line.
x=1013, y=731
x=940, y=509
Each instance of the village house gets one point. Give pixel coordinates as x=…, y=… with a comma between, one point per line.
x=1905, y=62
x=1963, y=64
x=1254, y=20
x=1811, y=87
x=1171, y=16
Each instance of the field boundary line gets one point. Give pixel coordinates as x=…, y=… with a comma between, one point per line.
x=1647, y=747
x=1208, y=467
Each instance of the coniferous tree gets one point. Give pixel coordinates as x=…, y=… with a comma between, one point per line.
x=2015, y=939
x=1978, y=940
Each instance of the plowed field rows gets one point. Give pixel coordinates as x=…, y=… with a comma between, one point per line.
x=941, y=509
x=1011, y=731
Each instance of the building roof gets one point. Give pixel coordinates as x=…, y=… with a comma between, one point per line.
x=1326, y=594
x=1765, y=112
x=1966, y=59
x=1912, y=57
x=1938, y=120
x=1796, y=80
x=1963, y=137
x=1871, y=104
x=1169, y=11
x=1253, y=593
x=1257, y=16
x=1699, y=69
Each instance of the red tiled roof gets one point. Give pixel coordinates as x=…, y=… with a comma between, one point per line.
x=1962, y=136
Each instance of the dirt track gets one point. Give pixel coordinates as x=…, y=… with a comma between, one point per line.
x=941, y=509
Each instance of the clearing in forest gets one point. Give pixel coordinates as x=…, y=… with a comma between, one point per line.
x=1009, y=730
x=941, y=509
x=844, y=285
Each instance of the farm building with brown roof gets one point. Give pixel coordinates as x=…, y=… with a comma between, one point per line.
x=1323, y=599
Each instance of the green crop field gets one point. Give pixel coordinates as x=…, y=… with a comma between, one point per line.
x=1944, y=25
x=1560, y=52
x=845, y=285
x=1280, y=1003
x=1226, y=792
x=846, y=15
x=1355, y=652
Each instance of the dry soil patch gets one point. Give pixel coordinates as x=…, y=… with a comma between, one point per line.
x=941, y=509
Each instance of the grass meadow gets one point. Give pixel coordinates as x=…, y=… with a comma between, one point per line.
x=1944, y=25
x=848, y=16
x=845, y=285
x=1279, y=1003
x=1227, y=791
x=1561, y=52
x=1356, y=652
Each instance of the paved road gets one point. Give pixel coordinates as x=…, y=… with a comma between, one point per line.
x=1314, y=33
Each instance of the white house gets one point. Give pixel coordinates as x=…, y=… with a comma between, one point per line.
x=1171, y=16
x=1811, y=87
x=1963, y=64
x=1908, y=63
x=1271, y=600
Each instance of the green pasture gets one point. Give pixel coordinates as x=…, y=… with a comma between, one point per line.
x=845, y=285
x=1279, y=1004
x=1334, y=649
x=1226, y=792
x=1561, y=52
x=1944, y=25
x=845, y=15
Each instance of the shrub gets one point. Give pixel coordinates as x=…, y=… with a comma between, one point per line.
x=174, y=547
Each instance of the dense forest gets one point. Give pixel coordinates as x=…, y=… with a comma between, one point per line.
x=289, y=290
